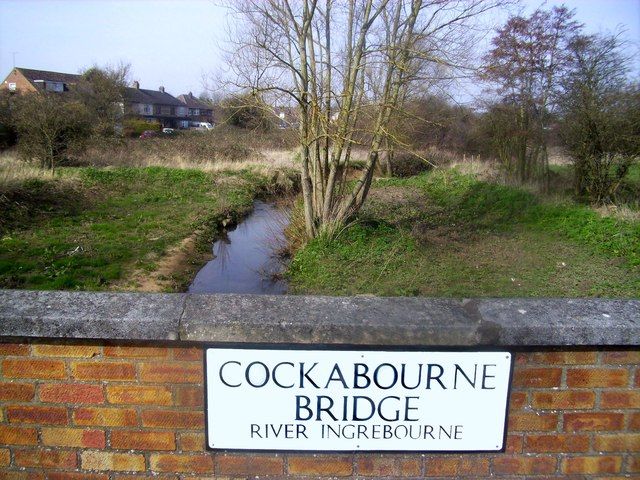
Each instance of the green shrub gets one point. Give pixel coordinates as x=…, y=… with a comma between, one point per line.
x=133, y=127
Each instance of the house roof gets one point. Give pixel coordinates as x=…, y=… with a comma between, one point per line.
x=33, y=75
x=153, y=97
x=193, y=102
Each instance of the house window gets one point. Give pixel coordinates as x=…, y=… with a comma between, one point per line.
x=54, y=86
x=12, y=86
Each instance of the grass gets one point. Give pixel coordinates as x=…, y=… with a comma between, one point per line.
x=111, y=222
x=449, y=234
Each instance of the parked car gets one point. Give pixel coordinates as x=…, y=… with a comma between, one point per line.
x=202, y=126
x=168, y=131
x=149, y=134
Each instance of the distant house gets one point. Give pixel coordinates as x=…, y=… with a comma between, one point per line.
x=287, y=117
x=156, y=105
x=199, y=111
x=25, y=80
x=153, y=105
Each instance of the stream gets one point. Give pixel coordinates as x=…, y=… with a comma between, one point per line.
x=245, y=258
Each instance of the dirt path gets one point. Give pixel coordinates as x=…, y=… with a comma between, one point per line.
x=178, y=263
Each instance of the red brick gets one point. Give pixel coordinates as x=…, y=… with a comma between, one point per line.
x=36, y=414
x=30, y=368
x=409, y=467
x=5, y=457
x=556, y=443
x=596, y=421
x=189, y=396
x=45, y=458
x=514, y=444
x=71, y=393
x=171, y=372
x=620, y=399
x=10, y=435
x=625, y=442
x=111, y=461
x=517, y=400
x=139, y=395
x=172, y=419
x=563, y=400
x=155, y=476
x=73, y=351
x=108, y=417
x=622, y=357
x=634, y=422
x=136, y=352
x=634, y=464
x=13, y=475
x=524, y=465
x=13, y=349
x=441, y=466
x=456, y=466
x=20, y=392
x=194, y=354
x=73, y=437
x=522, y=358
x=591, y=465
x=376, y=466
x=565, y=358
x=192, y=441
x=537, y=377
x=322, y=466
x=250, y=465
x=77, y=476
x=142, y=440
x=473, y=466
x=597, y=377
x=103, y=371
x=161, y=462
x=532, y=422
x=388, y=466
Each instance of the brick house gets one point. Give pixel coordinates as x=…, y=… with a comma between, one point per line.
x=156, y=105
x=153, y=105
x=199, y=111
x=26, y=80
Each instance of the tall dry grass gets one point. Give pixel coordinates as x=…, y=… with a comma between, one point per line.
x=223, y=149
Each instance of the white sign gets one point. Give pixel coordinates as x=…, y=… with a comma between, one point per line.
x=336, y=400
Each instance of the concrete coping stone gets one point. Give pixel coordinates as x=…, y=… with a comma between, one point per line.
x=359, y=320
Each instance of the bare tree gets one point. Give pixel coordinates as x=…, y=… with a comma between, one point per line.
x=337, y=62
x=526, y=62
x=101, y=90
x=47, y=125
x=601, y=124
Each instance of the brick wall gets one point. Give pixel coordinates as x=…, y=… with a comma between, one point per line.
x=99, y=412
x=22, y=84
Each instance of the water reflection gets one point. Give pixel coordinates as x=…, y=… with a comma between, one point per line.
x=245, y=259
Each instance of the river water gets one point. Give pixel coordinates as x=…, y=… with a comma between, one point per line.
x=245, y=258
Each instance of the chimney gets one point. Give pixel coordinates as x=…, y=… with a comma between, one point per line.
x=191, y=94
x=161, y=89
x=136, y=85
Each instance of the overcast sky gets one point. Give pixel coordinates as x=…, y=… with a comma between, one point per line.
x=177, y=43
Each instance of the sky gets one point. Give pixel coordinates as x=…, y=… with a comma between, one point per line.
x=179, y=44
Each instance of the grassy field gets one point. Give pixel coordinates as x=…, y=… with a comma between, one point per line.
x=448, y=234
x=89, y=228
